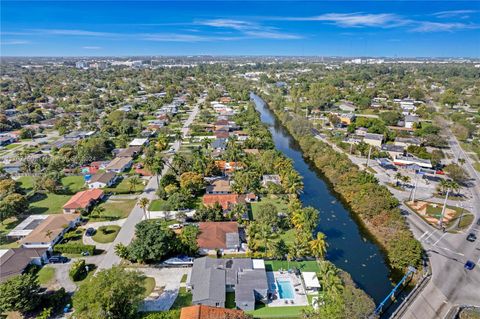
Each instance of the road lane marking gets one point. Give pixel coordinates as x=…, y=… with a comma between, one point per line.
x=439, y=239
x=425, y=233
x=431, y=235
x=452, y=251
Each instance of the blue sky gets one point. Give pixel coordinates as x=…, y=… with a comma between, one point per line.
x=321, y=28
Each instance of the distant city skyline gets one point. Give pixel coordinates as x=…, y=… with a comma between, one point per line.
x=289, y=28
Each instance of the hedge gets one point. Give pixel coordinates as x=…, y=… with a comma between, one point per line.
x=72, y=248
x=78, y=270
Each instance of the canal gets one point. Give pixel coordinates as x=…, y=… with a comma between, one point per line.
x=349, y=248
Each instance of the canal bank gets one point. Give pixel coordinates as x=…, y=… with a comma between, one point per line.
x=350, y=247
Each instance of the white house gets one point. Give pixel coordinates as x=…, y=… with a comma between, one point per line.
x=311, y=281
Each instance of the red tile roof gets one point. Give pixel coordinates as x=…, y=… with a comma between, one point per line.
x=82, y=199
x=225, y=200
x=213, y=234
x=209, y=312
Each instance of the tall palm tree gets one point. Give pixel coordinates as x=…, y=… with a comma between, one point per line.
x=329, y=279
x=144, y=203
x=397, y=177
x=319, y=245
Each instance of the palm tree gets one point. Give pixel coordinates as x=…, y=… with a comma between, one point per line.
x=318, y=246
x=331, y=283
x=144, y=203
x=133, y=182
x=405, y=179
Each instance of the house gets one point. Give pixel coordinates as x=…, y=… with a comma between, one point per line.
x=102, y=179
x=26, y=226
x=311, y=282
x=221, y=134
x=393, y=150
x=241, y=135
x=119, y=164
x=212, y=278
x=411, y=121
x=14, y=261
x=347, y=118
x=83, y=201
x=219, y=186
x=6, y=140
x=361, y=131
x=219, y=144
x=225, y=200
x=407, y=141
x=218, y=235
x=138, y=142
x=275, y=179
x=228, y=167
x=131, y=151
x=412, y=160
x=209, y=312
x=347, y=106
x=251, y=197
x=12, y=168
x=373, y=139
x=50, y=231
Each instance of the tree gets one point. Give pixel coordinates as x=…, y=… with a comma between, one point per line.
x=153, y=241
x=144, y=203
x=191, y=181
x=449, y=98
x=267, y=214
x=121, y=251
x=115, y=293
x=318, y=246
x=279, y=249
x=456, y=172
x=12, y=205
x=133, y=182
x=188, y=240
x=245, y=182
x=19, y=293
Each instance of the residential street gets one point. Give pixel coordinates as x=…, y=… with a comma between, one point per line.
x=127, y=232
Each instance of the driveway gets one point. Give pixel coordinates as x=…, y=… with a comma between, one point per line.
x=169, y=278
x=62, y=277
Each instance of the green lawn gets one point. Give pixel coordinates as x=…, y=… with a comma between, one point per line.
x=106, y=234
x=274, y=265
x=123, y=187
x=46, y=275
x=5, y=227
x=52, y=203
x=184, y=299
x=114, y=209
x=466, y=221
x=278, y=202
x=184, y=278
x=230, y=300
x=149, y=285
x=263, y=311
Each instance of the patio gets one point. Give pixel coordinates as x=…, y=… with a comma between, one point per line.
x=299, y=295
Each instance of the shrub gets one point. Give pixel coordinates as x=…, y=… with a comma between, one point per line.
x=78, y=270
x=72, y=248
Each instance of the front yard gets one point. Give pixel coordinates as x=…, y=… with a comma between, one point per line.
x=106, y=234
x=124, y=187
x=277, y=201
x=114, y=209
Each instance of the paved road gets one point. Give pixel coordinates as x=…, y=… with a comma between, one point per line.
x=127, y=232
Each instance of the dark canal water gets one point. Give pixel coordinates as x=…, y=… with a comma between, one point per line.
x=349, y=249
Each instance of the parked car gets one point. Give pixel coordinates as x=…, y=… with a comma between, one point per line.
x=478, y=222
x=175, y=226
x=469, y=265
x=90, y=232
x=58, y=260
x=471, y=237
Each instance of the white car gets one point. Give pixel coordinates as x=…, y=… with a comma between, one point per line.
x=175, y=226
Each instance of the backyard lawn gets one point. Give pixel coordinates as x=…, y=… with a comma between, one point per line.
x=46, y=275
x=263, y=311
x=278, y=202
x=114, y=209
x=274, y=265
x=123, y=187
x=106, y=234
x=149, y=285
x=5, y=227
x=52, y=203
x=184, y=299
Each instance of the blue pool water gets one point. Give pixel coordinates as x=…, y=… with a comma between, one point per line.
x=285, y=290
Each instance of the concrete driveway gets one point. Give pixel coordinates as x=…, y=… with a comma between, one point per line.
x=169, y=278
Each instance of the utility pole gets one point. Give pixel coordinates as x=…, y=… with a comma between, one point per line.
x=440, y=223
x=369, y=153
x=414, y=188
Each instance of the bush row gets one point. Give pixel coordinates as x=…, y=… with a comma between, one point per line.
x=73, y=248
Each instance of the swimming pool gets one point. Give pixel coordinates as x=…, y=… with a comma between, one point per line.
x=285, y=289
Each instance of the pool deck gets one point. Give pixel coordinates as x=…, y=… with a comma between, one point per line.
x=300, y=296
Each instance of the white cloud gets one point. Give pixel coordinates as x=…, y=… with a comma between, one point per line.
x=14, y=42
x=179, y=37
x=91, y=47
x=454, y=13
x=73, y=32
x=272, y=35
x=358, y=19
x=427, y=26
x=230, y=23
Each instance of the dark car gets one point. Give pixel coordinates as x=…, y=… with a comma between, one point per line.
x=478, y=222
x=469, y=265
x=471, y=237
x=58, y=260
x=90, y=231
